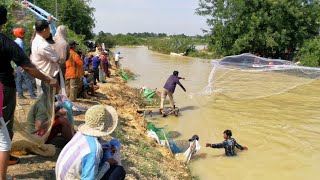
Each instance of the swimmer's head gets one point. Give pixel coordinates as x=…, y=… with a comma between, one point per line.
x=227, y=134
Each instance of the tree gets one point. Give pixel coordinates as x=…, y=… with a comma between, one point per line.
x=106, y=38
x=76, y=14
x=271, y=28
x=309, y=54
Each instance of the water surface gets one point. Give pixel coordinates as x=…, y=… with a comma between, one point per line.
x=281, y=131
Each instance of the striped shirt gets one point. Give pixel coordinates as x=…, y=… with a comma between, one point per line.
x=81, y=159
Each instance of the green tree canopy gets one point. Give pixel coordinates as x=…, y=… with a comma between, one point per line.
x=272, y=28
x=76, y=14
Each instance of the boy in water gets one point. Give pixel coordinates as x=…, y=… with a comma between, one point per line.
x=228, y=144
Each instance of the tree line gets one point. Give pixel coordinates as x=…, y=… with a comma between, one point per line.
x=287, y=29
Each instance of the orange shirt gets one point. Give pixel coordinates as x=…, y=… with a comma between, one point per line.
x=74, y=66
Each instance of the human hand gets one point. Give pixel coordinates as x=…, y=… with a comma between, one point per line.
x=112, y=162
x=49, y=19
x=54, y=83
x=245, y=148
x=208, y=144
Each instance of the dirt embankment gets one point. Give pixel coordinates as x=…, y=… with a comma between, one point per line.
x=141, y=156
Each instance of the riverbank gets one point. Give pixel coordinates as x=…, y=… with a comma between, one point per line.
x=141, y=156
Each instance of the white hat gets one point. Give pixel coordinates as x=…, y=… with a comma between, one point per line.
x=99, y=121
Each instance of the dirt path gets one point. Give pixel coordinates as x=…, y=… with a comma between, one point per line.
x=141, y=156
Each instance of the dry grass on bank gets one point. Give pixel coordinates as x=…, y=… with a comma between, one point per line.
x=141, y=156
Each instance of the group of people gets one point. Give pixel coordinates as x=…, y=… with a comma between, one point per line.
x=52, y=60
x=229, y=144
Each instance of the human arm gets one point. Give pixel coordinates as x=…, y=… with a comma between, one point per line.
x=239, y=146
x=41, y=125
x=21, y=59
x=33, y=71
x=219, y=145
x=91, y=168
x=78, y=60
x=181, y=78
x=184, y=89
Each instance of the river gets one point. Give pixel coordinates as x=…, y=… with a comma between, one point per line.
x=281, y=131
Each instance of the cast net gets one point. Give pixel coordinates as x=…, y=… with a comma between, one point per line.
x=28, y=111
x=247, y=76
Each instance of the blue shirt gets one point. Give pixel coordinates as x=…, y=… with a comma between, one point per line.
x=172, y=83
x=87, y=62
x=20, y=42
x=95, y=62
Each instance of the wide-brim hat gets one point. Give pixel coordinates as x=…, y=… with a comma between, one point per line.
x=100, y=121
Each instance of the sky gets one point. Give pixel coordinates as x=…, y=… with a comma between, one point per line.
x=158, y=16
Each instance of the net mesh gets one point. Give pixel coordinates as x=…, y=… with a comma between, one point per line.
x=23, y=114
x=247, y=76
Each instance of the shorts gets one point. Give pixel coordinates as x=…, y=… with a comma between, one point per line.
x=5, y=141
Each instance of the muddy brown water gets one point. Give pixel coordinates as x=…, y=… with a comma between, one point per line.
x=281, y=131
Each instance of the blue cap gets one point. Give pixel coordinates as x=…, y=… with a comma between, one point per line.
x=116, y=143
x=118, y=52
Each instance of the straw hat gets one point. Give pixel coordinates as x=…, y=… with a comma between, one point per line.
x=99, y=121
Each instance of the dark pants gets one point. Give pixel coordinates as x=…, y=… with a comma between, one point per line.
x=9, y=106
x=115, y=173
x=63, y=70
x=96, y=76
x=27, y=79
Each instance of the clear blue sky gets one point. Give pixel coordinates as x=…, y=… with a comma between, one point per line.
x=158, y=16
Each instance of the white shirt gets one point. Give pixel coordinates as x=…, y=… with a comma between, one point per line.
x=44, y=56
x=117, y=57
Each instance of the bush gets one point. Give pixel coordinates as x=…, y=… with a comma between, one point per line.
x=176, y=45
x=309, y=54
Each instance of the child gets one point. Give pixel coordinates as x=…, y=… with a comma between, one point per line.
x=228, y=144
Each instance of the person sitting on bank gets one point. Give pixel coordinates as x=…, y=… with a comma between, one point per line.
x=88, y=84
x=228, y=144
x=39, y=119
x=82, y=157
x=169, y=89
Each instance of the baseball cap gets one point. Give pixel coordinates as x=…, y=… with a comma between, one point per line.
x=72, y=43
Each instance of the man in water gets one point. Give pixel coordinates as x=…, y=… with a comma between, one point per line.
x=117, y=59
x=169, y=88
x=228, y=144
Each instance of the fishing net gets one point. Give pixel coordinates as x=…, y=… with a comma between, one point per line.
x=247, y=76
x=27, y=111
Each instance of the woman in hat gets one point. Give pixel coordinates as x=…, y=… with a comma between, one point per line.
x=82, y=157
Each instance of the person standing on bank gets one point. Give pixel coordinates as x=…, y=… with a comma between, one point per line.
x=95, y=66
x=20, y=33
x=42, y=53
x=62, y=47
x=74, y=72
x=169, y=89
x=10, y=51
